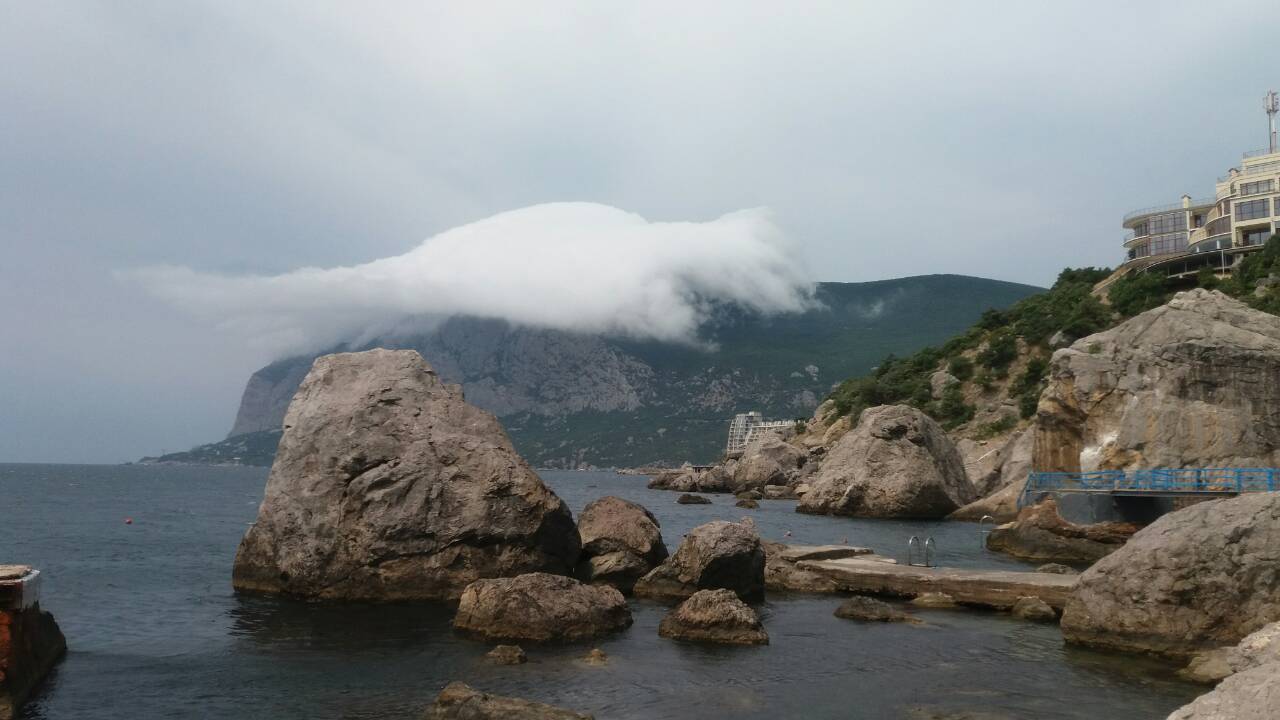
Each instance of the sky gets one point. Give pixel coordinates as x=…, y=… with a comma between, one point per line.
x=188, y=190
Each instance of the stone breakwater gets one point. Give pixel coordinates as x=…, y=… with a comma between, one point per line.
x=30, y=641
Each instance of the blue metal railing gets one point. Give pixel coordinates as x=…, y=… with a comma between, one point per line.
x=1157, y=481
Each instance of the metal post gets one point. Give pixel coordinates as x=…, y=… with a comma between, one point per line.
x=1272, y=104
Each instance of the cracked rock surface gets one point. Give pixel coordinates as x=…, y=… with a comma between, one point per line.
x=388, y=485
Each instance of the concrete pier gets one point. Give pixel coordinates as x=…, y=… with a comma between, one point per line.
x=30, y=641
x=998, y=589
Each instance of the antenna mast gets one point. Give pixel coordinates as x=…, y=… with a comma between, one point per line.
x=1272, y=104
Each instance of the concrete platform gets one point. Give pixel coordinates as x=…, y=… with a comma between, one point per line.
x=997, y=589
x=796, y=553
x=19, y=587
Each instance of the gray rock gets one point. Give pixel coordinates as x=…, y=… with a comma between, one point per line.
x=1040, y=534
x=747, y=504
x=596, y=657
x=688, y=499
x=897, y=462
x=749, y=495
x=714, y=616
x=1001, y=485
x=459, y=701
x=768, y=461
x=1196, y=579
x=782, y=574
x=1258, y=648
x=934, y=600
x=1193, y=383
x=507, y=655
x=861, y=607
x=940, y=381
x=1057, y=569
x=621, y=541
x=1034, y=609
x=1246, y=695
x=718, y=554
x=387, y=485
x=539, y=607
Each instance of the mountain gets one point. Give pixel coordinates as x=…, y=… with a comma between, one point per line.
x=573, y=400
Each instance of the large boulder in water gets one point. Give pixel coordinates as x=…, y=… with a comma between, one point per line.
x=1195, y=579
x=896, y=462
x=621, y=541
x=770, y=460
x=459, y=701
x=387, y=485
x=719, y=554
x=716, y=616
x=1193, y=383
x=539, y=607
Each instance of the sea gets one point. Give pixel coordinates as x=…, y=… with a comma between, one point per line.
x=137, y=571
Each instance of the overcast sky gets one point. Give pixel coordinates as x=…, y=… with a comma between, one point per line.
x=231, y=142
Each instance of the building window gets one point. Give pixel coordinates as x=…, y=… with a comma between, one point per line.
x=1253, y=188
x=1253, y=209
x=1256, y=237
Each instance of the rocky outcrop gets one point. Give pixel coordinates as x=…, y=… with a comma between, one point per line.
x=714, y=616
x=718, y=554
x=896, y=462
x=867, y=609
x=539, y=607
x=507, y=655
x=1034, y=609
x=1260, y=647
x=782, y=574
x=388, y=486
x=688, y=499
x=1193, y=383
x=1250, y=694
x=621, y=541
x=1040, y=534
x=1196, y=579
x=459, y=701
x=768, y=461
x=1000, y=485
x=30, y=641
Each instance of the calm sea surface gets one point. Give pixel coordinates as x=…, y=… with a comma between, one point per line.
x=155, y=631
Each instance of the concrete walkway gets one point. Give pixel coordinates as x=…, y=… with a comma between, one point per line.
x=998, y=589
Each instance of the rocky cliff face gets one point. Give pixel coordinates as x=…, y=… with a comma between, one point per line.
x=1193, y=383
x=388, y=486
x=570, y=400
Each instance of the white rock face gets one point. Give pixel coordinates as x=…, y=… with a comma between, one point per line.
x=387, y=485
x=896, y=462
x=1193, y=383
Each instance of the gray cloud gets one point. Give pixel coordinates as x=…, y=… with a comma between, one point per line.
x=249, y=139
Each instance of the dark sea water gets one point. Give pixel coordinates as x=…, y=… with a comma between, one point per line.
x=155, y=631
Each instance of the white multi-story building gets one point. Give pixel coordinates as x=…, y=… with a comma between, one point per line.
x=747, y=427
x=1187, y=236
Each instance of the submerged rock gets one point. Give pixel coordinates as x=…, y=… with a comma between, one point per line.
x=934, y=600
x=507, y=655
x=1034, y=609
x=459, y=701
x=896, y=462
x=718, y=554
x=1057, y=569
x=747, y=504
x=539, y=607
x=1195, y=579
x=861, y=607
x=621, y=541
x=1258, y=648
x=714, y=616
x=1041, y=534
x=596, y=657
x=387, y=485
x=688, y=499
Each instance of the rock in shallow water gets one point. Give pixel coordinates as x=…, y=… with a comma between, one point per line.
x=1041, y=534
x=718, y=554
x=507, y=655
x=688, y=499
x=621, y=541
x=716, y=616
x=1034, y=609
x=861, y=607
x=539, y=607
x=459, y=701
x=1196, y=579
x=896, y=462
x=387, y=485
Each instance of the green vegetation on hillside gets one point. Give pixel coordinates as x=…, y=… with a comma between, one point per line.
x=983, y=354
x=981, y=357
